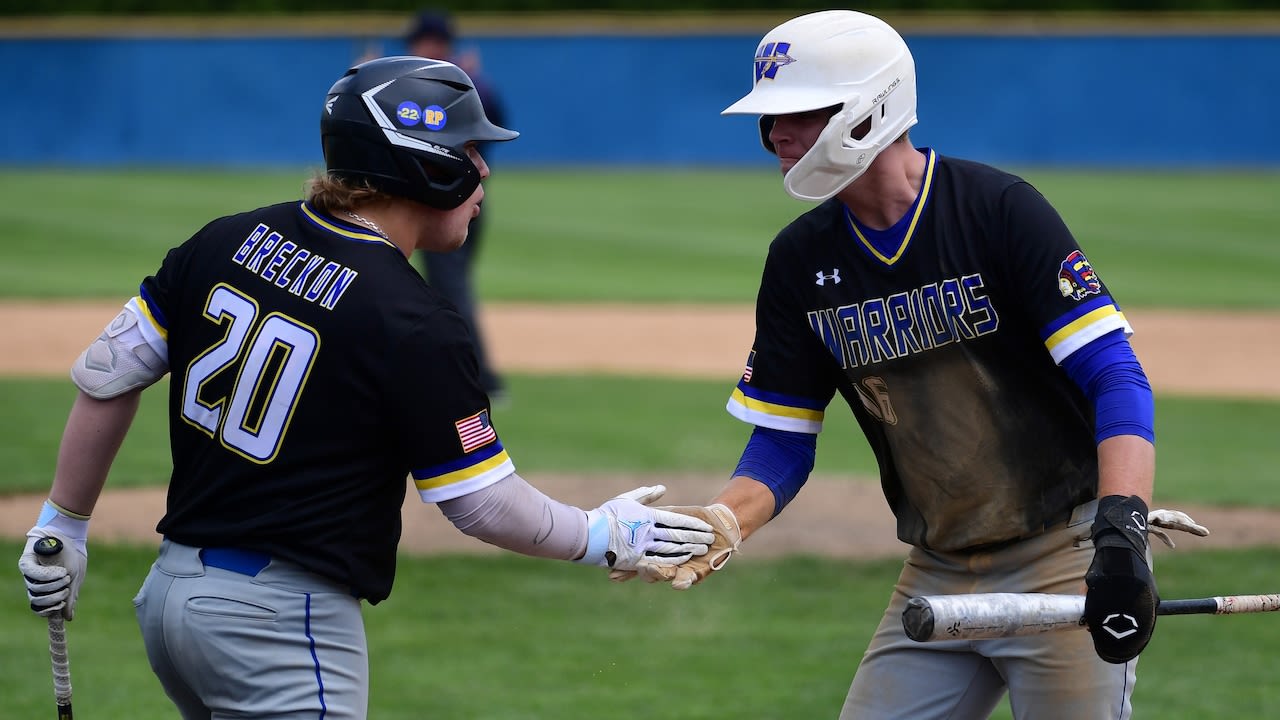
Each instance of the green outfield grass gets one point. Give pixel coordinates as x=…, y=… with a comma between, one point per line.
x=1210, y=451
x=1184, y=239
x=507, y=637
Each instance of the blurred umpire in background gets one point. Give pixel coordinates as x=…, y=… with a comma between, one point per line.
x=452, y=272
x=313, y=370
x=987, y=364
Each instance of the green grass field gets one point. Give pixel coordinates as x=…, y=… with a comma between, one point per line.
x=1211, y=451
x=522, y=639
x=1159, y=239
x=512, y=637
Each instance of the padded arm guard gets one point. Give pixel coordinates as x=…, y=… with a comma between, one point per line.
x=120, y=360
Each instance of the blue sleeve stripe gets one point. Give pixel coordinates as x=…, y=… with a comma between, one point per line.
x=773, y=398
x=780, y=460
x=1111, y=377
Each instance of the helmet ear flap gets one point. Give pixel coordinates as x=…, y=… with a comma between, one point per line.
x=766, y=127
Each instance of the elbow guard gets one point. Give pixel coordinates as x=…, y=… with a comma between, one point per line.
x=120, y=360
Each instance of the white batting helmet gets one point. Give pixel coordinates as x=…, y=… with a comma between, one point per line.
x=824, y=59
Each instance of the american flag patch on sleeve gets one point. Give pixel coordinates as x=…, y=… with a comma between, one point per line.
x=475, y=431
x=751, y=360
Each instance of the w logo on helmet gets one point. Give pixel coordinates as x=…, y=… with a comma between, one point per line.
x=1077, y=279
x=771, y=57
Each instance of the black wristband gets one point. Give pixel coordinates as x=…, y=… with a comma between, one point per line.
x=1121, y=521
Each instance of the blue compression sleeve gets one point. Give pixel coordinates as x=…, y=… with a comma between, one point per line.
x=1112, y=379
x=781, y=460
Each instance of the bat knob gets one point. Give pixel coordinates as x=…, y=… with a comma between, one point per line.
x=47, y=546
x=917, y=619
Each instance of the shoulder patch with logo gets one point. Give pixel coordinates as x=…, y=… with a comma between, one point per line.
x=1076, y=278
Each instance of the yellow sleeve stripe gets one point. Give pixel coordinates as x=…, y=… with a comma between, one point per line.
x=768, y=408
x=772, y=415
x=1084, y=330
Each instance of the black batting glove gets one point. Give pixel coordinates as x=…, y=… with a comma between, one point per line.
x=1120, y=605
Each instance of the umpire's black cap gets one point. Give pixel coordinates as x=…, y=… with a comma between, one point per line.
x=430, y=23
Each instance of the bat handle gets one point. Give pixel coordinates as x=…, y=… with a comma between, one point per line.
x=61, y=662
x=47, y=549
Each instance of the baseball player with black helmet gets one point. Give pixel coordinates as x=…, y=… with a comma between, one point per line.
x=313, y=371
x=987, y=364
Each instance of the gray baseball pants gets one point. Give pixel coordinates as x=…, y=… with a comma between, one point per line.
x=1047, y=677
x=232, y=634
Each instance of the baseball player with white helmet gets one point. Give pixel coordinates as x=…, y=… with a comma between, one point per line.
x=313, y=370
x=987, y=364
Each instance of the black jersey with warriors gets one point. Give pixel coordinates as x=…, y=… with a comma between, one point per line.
x=313, y=371
x=943, y=334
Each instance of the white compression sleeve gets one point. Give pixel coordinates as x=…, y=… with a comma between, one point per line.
x=516, y=516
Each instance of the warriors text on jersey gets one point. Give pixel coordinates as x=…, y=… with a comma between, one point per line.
x=313, y=371
x=943, y=334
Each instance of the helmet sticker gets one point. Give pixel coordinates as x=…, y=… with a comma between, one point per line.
x=770, y=57
x=408, y=113
x=1076, y=278
x=434, y=117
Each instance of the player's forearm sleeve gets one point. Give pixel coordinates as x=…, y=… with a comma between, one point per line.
x=1112, y=379
x=781, y=460
x=516, y=516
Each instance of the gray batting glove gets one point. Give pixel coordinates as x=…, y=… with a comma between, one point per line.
x=623, y=531
x=1173, y=520
x=54, y=584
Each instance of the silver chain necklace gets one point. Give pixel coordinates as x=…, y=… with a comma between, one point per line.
x=366, y=221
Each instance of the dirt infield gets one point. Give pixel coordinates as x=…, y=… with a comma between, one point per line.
x=1231, y=355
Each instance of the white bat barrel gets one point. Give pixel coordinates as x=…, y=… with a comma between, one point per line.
x=990, y=615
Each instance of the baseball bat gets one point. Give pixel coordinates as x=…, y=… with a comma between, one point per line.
x=46, y=550
x=980, y=616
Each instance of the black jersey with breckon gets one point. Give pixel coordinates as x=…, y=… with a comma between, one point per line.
x=938, y=345
x=312, y=368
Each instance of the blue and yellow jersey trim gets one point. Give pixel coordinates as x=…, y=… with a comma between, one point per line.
x=151, y=323
x=351, y=232
x=775, y=410
x=1085, y=323
x=467, y=474
x=922, y=199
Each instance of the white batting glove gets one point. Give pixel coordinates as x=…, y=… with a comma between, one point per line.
x=53, y=588
x=695, y=570
x=53, y=583
x=623, y=531
x=1173, y=520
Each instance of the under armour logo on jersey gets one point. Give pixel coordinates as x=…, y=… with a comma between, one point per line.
x=634, y=526
x=834, y=277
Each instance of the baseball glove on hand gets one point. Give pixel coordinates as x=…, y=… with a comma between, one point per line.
x=1120, y=604
x=697, y=568
x=624, y=532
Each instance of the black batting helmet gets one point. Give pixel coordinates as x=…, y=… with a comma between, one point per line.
x=402, y=124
